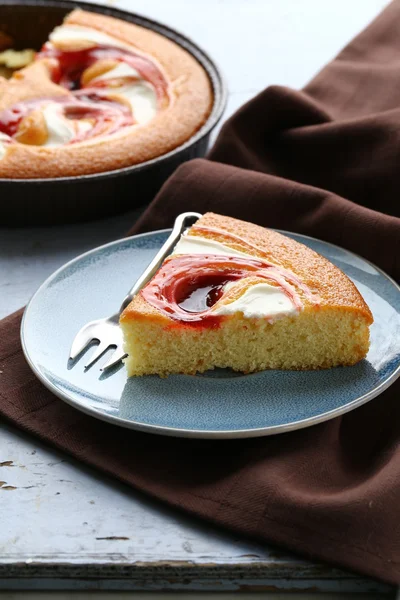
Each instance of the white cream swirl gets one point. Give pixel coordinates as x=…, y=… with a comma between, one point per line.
x=79, y=33
x=194, y=244
x=4, y=141
x=140, y=94
x=60, y=129
x=122, y=69
x=259, y=300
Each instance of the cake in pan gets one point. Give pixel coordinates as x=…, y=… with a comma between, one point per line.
x=233, y=294
x=102, y=94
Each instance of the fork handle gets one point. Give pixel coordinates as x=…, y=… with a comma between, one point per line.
x=183, y=221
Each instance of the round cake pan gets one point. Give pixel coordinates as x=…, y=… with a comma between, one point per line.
x=60, y=200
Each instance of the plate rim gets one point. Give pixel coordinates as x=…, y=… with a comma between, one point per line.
x=200, y=433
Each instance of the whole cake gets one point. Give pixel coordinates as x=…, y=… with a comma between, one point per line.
x=101, y=94
x=233, y=294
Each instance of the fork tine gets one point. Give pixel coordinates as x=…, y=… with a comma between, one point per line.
x=118, y=355
x=81, y=341
x=100, y=349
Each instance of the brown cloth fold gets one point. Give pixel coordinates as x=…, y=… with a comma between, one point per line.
x=324, y=162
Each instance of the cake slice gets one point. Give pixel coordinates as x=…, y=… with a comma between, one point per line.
x=237, y=295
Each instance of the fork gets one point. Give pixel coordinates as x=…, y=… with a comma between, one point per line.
x=107, y=331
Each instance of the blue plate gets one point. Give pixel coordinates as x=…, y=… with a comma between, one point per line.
x=217, y=404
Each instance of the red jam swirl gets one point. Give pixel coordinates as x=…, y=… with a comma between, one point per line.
x=204, y=293
x=87, y=102
x=72, y=64
x=106, y=115
x=187, y=286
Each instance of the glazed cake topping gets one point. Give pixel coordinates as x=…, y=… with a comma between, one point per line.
x=111, y=87
x=200, y=289
x=204, y=280
x=236, y=239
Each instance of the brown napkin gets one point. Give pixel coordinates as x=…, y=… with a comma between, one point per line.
x=324, y=162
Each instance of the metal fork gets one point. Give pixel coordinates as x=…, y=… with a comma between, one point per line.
x=107, y=331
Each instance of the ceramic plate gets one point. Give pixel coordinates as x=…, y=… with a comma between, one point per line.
x=217, y=404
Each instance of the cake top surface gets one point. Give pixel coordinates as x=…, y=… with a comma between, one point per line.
x=244, y=261
x=99, y=80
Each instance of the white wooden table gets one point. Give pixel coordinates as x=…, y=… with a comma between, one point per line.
x=66, y=527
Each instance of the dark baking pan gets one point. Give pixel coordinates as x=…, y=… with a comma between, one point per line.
x=71, y=199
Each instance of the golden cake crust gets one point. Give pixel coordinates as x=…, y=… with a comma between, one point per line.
x=190, y=107
x=330, y=284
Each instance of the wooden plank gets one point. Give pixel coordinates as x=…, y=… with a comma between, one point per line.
x=65, y=525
